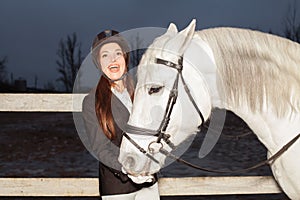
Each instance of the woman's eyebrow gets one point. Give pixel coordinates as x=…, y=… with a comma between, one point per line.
x=107, y=51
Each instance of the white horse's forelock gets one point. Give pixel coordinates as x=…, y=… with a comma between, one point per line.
x=242, y=54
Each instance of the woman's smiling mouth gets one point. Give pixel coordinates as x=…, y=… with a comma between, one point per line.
x=114, y=67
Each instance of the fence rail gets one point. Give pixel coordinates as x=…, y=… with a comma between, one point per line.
x=89, y=186
x=41, y=102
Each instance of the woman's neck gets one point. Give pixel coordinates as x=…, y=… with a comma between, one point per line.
x=119, y=86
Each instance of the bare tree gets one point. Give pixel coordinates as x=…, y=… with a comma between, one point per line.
x=292, y=27
x=70, y=59
x=3, y=73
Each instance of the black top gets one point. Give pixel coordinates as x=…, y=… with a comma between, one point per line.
x=111, y=179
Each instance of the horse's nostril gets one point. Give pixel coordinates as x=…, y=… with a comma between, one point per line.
x=129, y=162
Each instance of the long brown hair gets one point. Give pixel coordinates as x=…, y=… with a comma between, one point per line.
x=103, y=104
x=103, y=91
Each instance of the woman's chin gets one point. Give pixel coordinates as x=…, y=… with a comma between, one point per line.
x=115, y=75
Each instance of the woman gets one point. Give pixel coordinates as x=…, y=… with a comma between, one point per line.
x=105, y=110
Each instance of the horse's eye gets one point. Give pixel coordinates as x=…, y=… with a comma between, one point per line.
x=154, y=89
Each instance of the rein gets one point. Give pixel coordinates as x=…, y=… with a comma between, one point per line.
x=160, y=133
x=260, y=164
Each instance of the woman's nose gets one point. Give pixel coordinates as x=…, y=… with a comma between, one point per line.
x=114, y=57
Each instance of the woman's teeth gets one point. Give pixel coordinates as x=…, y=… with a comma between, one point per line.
x=113, y=67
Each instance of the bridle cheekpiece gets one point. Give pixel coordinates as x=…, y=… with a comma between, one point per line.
x=160, y=133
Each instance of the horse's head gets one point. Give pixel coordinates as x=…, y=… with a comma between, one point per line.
x=162, y=107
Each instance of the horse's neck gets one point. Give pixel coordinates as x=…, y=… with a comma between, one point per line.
x=271, y=130
x=200, y=55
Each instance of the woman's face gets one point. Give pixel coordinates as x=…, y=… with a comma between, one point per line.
x=112, y=60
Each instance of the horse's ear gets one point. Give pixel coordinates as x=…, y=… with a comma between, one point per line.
x=172, y=29
x=189, y=31
x=181, y=41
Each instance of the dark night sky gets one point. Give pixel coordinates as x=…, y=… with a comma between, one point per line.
x=31, y=29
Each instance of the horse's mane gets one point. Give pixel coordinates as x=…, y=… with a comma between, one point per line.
x=256, y=68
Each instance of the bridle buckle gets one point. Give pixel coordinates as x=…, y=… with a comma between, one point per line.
x=155, y=147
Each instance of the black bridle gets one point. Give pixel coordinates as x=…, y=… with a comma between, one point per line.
x=161, y=134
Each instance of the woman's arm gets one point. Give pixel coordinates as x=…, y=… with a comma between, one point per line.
x=97, y=143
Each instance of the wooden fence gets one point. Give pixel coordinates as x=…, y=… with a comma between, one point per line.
x=88, y=187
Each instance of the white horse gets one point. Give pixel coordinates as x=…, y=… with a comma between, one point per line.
x=253, y=74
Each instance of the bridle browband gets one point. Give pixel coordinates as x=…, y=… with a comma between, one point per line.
x=161, y=134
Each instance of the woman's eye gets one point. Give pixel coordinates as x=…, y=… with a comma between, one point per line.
x=104, y=56
x=154, y=89
x=119, y=53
